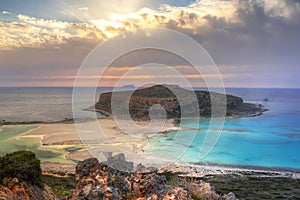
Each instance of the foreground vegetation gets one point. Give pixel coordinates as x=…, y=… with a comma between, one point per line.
x=22, y=165
x=244, y=187
x=256, y=188
x=60, y=186
x=26, y=167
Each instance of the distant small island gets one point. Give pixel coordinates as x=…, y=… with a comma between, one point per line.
x=143, y=99
x=265, y=99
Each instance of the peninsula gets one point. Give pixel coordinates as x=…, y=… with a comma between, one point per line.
x=175, y=100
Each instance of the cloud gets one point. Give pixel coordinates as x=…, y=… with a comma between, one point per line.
x=83, y=9
x=234, y=32
x=245, y=38
x=40, y=33
x=6, y=12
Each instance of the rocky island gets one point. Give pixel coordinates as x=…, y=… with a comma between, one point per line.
x=175, y=100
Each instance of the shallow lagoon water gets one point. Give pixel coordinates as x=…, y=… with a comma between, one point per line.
x=269, y=140
x=14, y=138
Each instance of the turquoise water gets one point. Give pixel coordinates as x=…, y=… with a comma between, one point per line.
x=269, y=140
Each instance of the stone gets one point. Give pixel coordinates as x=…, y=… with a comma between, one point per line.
x=230, y=196
x=119, y=163
x=13, y=190
x=104, y=182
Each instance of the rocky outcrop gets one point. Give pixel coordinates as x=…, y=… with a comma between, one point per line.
x=207, y=192
x=117, y=179
x=177, y=102
x=13, y=190
x=105, y=181
x=20, y=175
x=114, y=179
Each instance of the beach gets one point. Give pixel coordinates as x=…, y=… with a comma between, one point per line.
x=201, y=170
x=60, y=147
x=60, y=143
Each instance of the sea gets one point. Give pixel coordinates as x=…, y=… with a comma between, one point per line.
x=27, y=104
x=268, y=140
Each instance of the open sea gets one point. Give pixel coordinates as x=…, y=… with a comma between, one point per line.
x=269, y=140
x=37, y=103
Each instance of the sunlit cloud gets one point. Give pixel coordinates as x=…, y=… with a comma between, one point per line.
x=244, y=38
x=40, y=33
x=83, y=9
x=37, y=32
x=112, y=20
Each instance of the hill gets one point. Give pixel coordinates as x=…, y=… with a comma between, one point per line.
x=177, y=102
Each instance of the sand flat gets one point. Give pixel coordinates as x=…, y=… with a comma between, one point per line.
x=111, y=140
x=61, y=143
x=54, y=134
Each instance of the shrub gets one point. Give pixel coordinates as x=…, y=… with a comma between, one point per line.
x=22, y=165
x=60, y=186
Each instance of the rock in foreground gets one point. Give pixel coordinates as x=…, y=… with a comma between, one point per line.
x=13, y=190
x=20, y=175
x=100, y=181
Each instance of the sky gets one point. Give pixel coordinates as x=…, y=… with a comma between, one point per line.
x=253, y=43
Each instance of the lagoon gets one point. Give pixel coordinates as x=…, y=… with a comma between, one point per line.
x=269, y=140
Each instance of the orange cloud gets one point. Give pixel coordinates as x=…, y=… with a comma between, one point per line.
x=40, y=33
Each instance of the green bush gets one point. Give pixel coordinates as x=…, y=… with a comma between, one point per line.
x=60, y=186
x=22, y=165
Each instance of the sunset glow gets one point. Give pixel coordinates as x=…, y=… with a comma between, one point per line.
x=53, y=45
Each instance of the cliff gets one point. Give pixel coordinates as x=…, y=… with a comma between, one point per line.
x=176, y=101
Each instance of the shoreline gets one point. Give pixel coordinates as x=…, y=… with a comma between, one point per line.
x=72, y=121
x=191, y=170
x=109, y=116
x=49, y=132
x=63, y=121
x=63, y=138
x=201, y=170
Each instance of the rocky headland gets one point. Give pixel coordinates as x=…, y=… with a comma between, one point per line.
x=177, y=102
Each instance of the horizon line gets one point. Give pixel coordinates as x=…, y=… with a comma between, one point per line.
x=243, y=87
